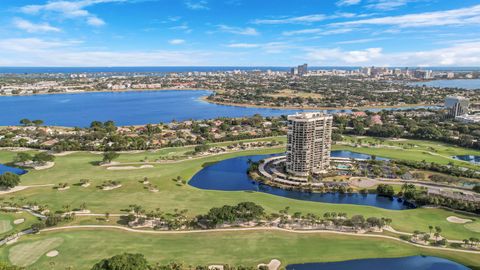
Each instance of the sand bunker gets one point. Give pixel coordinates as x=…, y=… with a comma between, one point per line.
x=18, y=221
x=121, y=168
x=47, y=165
x=52, y=253
x=273, y=265
x=457, y=220
x=111, y=187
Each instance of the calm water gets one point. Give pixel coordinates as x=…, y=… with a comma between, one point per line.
x=125, y=108
x=469, y=158
x=348, y=154
x=460, y=83
x=410, y=263
x=4, y=169
x=230, y=175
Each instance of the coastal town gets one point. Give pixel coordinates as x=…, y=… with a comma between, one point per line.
x=308, y=89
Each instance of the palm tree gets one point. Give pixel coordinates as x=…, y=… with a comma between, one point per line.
x=430, y=228
x=436, y=236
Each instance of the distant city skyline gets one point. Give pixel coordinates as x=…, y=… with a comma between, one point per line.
x=80, y=33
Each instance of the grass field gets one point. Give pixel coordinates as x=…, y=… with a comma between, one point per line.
x=81, y=249
x=25, y=254
x=5, y=225
x=73, y=167
x=412, y=150
x=474, y=227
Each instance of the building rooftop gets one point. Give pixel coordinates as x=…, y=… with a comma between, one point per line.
x=308, y=116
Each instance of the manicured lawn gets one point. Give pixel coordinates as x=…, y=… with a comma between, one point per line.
x=72, y=168
x=7, y=226
x=82, y=248
x=411, y=150
x=25, y=254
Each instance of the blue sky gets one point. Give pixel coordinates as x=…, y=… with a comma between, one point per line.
x=239, y=32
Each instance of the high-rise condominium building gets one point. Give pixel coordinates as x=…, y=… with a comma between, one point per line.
x=457, y=105
x=309, y=142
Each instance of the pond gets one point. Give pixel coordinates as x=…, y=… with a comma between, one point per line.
x=230, y=175
x=354, y=155
x=4, y=169
x=469, y=158
x=410, y=263
x=125, y=108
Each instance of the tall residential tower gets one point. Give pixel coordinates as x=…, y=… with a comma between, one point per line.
x=457, y=105
x=309, y=143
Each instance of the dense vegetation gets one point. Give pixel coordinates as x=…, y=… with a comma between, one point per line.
x=245, y=211
x=422, y=125
x=127, y=261
x=328, y=91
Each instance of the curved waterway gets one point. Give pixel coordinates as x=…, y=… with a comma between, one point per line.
x=230, y=175
x=125, y=108
x=470, y=158
x=410, y=263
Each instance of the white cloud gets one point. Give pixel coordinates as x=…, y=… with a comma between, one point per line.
x=95, y=21
x=243, y=45
x=389, y=4
x=293, y=20
x=39, y=52
x=270, y=47
x=247, y=31
x=358, y=41
x=308, y=19
x=197, y=5
x=461, y=54
x=70, y=9
x=34, y=28
x=176, y=41
x=462, y=16
x=317, y=31
x=28, y=45
x=348, y=2
x=344, y=57
x=184, y=27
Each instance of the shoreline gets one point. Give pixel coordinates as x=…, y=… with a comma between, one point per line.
x=205, y=99
x=110, y=91
x=313, y=108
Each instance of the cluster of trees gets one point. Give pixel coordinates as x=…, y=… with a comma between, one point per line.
x=450, y=169
x=105, y=136
x=9, y=180
x=385, y=190
x=244, y=212
x=109, y=156
x=421, y=197
x=128, y=261
x=39, y=158
x=434, y=126
x=27, y=122
x=468, y=206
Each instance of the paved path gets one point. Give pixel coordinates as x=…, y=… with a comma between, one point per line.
x=20, y=188
x=76, y=227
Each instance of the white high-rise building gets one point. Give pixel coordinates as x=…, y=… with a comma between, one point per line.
x=457, y=105
x=309, y=141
